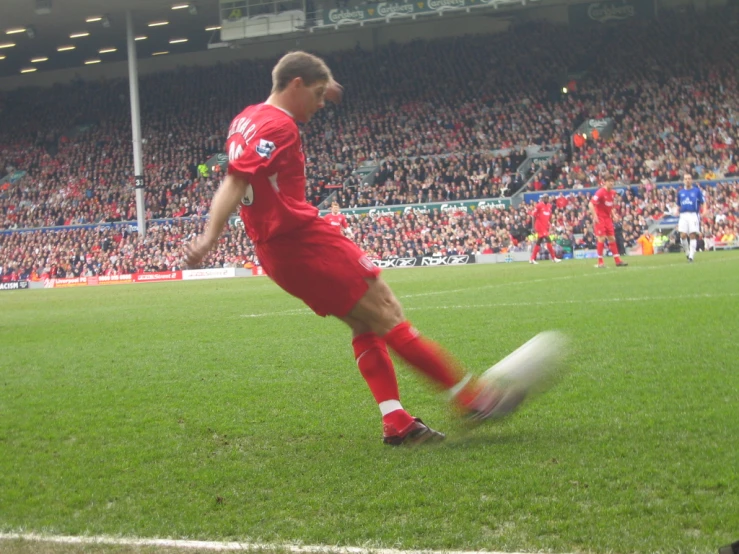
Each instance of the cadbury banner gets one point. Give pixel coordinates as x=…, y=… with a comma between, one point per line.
x=598, y=13
x=425, y=261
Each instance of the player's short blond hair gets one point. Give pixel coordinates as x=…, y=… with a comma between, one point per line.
x=308, y=67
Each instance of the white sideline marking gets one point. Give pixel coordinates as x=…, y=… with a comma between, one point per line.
x=298, y=311
x=226, y=546
x=306, y=311
x=599, y=273
x=585, y=301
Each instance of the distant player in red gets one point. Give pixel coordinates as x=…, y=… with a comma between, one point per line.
x=601, y=206
x=304, y=255
x=542, y=214
x=336, y=218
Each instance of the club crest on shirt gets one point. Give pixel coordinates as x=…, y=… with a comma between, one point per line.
x=265, y=148
x=248, y=198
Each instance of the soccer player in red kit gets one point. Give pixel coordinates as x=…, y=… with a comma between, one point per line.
x=304, y=255
x=542, y=214
x=336, y=218
x=601, y=206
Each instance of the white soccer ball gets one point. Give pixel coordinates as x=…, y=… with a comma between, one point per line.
x=514, y=379
x=531, y=365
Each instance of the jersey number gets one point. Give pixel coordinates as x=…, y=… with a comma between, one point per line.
x=235, y=151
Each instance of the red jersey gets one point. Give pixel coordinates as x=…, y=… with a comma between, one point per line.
x=264, y=148
x=542, y=214
x=603, y=202
x=338, y=221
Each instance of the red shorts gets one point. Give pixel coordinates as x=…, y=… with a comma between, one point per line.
x=542, y=233
x=604, y=228
x=324, y=269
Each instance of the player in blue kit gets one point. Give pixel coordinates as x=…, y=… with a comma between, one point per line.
x=691, y=202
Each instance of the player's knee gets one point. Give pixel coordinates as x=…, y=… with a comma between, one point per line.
x=390, y=312
x=379, y=308
x=358, y=327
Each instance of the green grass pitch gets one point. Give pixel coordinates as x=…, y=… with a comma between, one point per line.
x=225, y=410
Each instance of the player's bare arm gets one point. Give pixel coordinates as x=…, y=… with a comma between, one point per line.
x=225, y=201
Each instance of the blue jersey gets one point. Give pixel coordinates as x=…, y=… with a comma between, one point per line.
x=690, y=200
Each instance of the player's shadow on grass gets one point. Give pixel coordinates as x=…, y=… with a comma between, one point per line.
x=473, y=438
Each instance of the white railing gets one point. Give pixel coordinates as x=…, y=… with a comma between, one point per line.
x=263, y=25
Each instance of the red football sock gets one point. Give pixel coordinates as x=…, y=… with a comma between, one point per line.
x=613, y=247
x=376, y=366
x=426, y=356
x=599, y=247
x=551, y=250
x=535, y=252
x=397, y=420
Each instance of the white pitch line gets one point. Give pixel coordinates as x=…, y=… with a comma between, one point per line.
x=584, y=301
x=610, y=300
x=226, y=546
x=299, y=311
x=598, y=273
x=306, y=311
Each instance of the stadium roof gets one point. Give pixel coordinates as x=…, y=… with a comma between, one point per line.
x=37, y=34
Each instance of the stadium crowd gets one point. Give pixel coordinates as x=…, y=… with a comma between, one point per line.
x=384, y=234
x=670, y=85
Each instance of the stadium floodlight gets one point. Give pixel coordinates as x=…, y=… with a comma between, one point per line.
x=180, y=6
x=142, y=37
x=2, y=57
x=90, y=62
x=108, y=50
x=28, y=70
x=160, y=53
x=40, y=59
x=15, y=31
x=214, y=28
x=79, y=35
x=65, y=48
x=177, y=40
x=158, y=23
x=94, y=18
x=7, y=45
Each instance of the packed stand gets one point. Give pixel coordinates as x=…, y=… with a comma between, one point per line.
x=436, y=179
x=408, y=106
x=77, y=151
x=674, y=95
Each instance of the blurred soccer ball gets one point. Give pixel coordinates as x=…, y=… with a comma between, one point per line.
x=532, y=367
